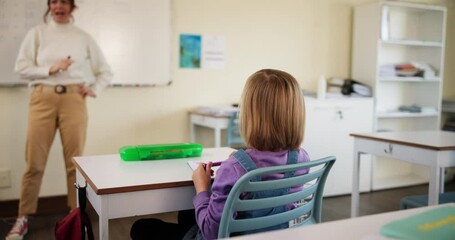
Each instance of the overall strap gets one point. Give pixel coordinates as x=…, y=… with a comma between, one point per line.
x=293, y=156
x=247, y=163
x=245, y=160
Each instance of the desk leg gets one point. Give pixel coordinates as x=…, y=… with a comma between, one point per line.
x=435, y=180
x=355, y=186
x=442, y=178
x=217, y=137
x=79, y=180
x=104, y=219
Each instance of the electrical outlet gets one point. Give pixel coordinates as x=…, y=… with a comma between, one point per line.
x=5, y=178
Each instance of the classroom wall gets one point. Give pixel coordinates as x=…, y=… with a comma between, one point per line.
x=306, y=38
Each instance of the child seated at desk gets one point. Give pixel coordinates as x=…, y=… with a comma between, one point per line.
x=272, y=123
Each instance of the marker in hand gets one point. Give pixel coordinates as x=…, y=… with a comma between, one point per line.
x=214, y=164
x=61, y=69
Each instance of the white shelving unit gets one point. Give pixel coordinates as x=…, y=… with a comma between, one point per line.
x=387, y=33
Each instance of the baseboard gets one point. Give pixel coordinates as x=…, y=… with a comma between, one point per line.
x=46, y=206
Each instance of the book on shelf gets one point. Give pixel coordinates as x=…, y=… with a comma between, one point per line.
x=411, y=69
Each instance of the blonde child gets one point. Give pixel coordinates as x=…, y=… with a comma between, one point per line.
x=272, y=123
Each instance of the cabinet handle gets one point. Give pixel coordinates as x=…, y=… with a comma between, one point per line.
x=390, y=149
x=340, y=114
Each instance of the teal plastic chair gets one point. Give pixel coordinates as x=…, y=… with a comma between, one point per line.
x=416, y=201
x=308, y=200
x=233, y=138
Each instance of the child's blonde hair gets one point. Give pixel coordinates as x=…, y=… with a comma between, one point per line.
x=272, y=111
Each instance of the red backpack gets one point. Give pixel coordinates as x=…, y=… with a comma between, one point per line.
x=77, y=224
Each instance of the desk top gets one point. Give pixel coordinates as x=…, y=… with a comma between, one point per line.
x=435, y=140
x=215, y=112
x=360, y=228
x=210, y=114
x=108, y=174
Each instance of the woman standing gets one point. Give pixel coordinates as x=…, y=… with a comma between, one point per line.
x=59, y=59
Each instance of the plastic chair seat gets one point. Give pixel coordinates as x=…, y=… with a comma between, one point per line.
x=415, y=201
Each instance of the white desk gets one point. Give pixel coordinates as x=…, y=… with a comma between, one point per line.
x=118, y=188
x=217, y=122
x=435, y=149
x=361, y=228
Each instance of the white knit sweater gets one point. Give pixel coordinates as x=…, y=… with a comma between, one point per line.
x=45, y=44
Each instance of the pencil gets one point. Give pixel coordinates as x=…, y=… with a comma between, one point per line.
x=214, y=164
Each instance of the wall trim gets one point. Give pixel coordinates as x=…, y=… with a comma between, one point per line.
x=46, y=206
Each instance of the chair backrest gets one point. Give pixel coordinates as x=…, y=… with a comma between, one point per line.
x=308, y=201
x=233, y=138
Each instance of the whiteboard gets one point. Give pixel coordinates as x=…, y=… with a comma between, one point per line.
x=135, y=36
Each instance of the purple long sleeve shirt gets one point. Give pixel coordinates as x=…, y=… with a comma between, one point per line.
x=209, y=205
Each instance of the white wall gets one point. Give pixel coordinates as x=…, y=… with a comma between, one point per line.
x=304, y=37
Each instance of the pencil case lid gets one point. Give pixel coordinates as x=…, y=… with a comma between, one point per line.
x=160, y=151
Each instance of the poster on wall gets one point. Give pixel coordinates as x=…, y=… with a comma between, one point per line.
x=190, y=51
x=198, y=51
x=213, y=52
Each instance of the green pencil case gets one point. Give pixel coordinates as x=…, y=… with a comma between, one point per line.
x=160, y=151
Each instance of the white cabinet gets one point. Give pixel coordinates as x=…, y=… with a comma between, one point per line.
x=328, y=125
x=391, y=33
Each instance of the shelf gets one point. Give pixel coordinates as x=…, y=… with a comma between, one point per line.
x=409, y=79
x=398, y=181
x=406, y=114
x=391, y=33
x=413, y=43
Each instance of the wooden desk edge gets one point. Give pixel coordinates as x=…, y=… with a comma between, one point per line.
x=402, y=142
x=130, y=188
x=87, y=179
x=143, y=187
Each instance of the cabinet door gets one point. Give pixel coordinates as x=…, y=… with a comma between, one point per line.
x=328, y=125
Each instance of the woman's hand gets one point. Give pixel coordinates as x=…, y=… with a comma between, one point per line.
x=202, y=177
x=61, y=65
x=86, y=91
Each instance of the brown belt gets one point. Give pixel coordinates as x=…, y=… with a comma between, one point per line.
x=59, y=89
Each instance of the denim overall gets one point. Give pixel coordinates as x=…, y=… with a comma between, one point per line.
x=247, y=163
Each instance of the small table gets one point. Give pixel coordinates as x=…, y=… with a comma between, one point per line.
x=435, y=149
x=216, y=121
x=118, y=188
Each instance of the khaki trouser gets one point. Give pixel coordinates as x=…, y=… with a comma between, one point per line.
x=49, y=111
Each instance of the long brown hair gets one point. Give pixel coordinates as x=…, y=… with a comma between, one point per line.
x=272, y=111
x=72, y=3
